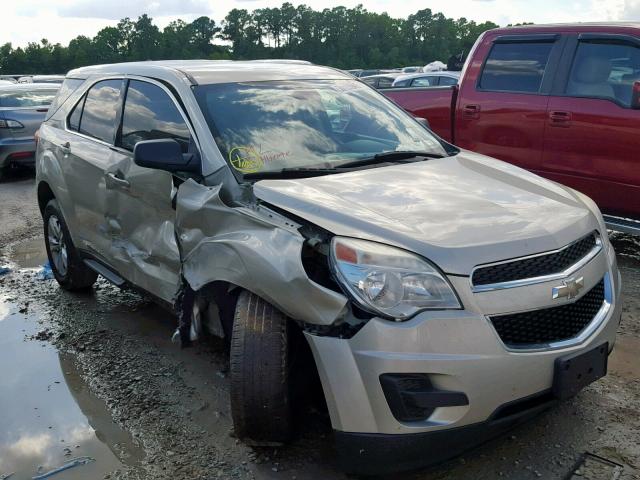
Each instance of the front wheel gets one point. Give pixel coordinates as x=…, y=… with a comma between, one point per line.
x=67, y=266
x=260, y=386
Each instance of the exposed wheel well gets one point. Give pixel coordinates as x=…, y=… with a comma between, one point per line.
x=45, y=195
x=304, y=375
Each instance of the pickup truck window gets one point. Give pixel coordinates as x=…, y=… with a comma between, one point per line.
x=271, y=125
x=604, y=70
x=515, y=67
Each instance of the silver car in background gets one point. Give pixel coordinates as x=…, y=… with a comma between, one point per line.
x=41, y=79
x=427, y=79
x=441, y=296
x=23, y=107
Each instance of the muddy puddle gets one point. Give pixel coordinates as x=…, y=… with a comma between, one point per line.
x=48, y=415
x=28, y=253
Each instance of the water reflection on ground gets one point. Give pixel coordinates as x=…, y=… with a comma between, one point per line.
x=47, y=414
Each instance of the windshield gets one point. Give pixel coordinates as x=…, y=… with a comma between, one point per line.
x=26, y=98
x=270, y=126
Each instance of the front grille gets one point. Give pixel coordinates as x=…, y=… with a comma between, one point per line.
x=538, y=266
x=547, y=325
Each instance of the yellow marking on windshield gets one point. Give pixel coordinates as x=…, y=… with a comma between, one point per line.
x=245, y=159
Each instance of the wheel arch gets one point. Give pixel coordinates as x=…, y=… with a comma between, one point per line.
x=45, y=195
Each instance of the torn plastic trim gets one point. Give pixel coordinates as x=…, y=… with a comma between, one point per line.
x=251, y=247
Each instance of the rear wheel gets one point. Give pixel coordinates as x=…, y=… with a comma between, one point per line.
x=67, y=267
x=260, y=386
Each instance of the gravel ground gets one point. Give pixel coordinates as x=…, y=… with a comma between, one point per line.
x=174, y=403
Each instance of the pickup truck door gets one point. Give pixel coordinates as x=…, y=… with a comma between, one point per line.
x=591, y=140
x=140, y=211
x=502, y=104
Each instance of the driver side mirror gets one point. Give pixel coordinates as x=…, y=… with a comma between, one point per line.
x=424, y=122
x=635, y=95
x=165, y=154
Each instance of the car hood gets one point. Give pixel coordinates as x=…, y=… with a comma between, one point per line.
x=459, y=211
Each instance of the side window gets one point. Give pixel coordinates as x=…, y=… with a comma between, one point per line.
x=515, y=67
x=448, y=81
x=604, y=70
x=100, y=110
x=74, y=119
x=149, y=114
x=385, y=82
x=424, y=82
x=370, y=81
x=69, y=86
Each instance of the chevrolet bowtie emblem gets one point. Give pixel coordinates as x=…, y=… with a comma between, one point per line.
x=569, y=288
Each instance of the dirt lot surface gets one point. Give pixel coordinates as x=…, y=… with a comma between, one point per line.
x=96, y=375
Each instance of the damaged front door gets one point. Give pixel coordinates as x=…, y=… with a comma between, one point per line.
x=140, y=209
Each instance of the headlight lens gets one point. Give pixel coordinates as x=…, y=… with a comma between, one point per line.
x=389, y=281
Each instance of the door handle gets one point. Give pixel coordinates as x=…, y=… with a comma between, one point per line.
x=471, y=111
x=559, y=118
x=113, y=181
x=66, y=148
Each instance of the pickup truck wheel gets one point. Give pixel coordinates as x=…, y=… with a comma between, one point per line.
x=67, y=267
x=260, y=388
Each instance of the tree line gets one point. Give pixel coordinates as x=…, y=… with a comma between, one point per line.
x=341, y=37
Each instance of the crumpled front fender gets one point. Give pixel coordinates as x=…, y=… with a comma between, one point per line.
x=256, y=249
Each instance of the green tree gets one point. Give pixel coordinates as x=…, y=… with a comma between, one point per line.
x=339, y=36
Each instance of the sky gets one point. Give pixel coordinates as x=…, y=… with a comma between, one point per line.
x=24, y=21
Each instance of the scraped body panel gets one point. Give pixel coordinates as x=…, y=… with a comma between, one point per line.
x=251, y=248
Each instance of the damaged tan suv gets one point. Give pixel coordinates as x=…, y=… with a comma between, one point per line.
x=441, y=296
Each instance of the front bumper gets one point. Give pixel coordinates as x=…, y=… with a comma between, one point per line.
x=382, y=454
x=11, y=151
x=459, y=351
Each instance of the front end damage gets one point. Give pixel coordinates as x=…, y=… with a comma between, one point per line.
x=253, y=248
x=441, y=381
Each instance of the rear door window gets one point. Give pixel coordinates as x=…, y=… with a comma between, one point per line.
x=604, y=70
x=149, y=114
x=516, y=67
x=98, y=119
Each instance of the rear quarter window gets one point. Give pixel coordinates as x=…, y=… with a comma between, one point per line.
x=69, y=86
x=515, y=67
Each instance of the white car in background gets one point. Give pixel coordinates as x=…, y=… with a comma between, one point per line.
x=434, y=79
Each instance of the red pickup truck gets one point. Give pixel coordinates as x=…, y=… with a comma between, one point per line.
x=560, y=100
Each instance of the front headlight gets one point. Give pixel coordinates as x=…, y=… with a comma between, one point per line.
x=389, y=281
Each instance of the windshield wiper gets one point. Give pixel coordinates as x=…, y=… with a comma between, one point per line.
x=393, y=155
x=303, y=172
x=298, y=172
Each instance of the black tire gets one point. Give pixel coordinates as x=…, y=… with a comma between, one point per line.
x=260, y=388
x=76, y=275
